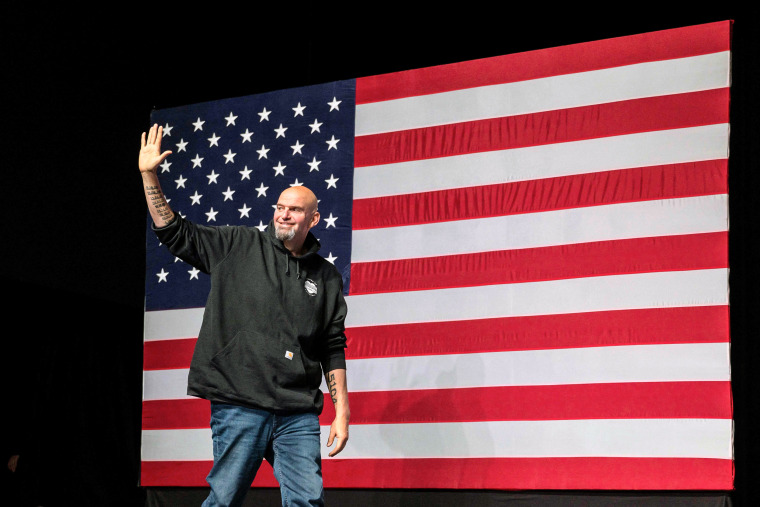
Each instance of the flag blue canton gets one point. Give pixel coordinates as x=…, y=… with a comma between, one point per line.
x=232, y=158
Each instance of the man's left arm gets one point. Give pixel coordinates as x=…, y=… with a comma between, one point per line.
x=336, y=384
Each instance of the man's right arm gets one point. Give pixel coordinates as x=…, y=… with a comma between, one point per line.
x=150, y=157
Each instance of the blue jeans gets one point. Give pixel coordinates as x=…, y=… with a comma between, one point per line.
x=244, y=436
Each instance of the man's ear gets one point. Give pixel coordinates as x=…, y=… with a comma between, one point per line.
x=314, y=219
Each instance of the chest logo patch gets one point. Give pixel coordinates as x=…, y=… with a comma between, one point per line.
x=311, y=287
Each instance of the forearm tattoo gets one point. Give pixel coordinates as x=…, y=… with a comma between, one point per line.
x=332, y=385
x=158, y=202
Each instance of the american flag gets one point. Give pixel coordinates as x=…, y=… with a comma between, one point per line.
x=535, y=252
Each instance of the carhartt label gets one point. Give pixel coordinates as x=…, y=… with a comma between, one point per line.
x=289, y=354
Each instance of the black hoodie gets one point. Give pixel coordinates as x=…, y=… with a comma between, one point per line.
x=271, y=319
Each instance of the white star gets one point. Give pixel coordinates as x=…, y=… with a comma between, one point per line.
x=177, y=259
x=228, y=194
x=332, y=182
x=262, y=190
x=167, y=130
x=180, y=182
x=162, y=275
x=181, y=145
x=246, y=136
x=261, y=226
x=196, y=198
x=315, y=126
x=230, y=119
x=330, y=221
x=330, y=258
x=165, y=166
x=212, y=177
x=334, y=104
x=211, y=214
x=245, y=172
x=314, y=164
x=264, y=115
x=229, y=156
x=296, y=183
x=196, y=161
x=198, y=124
x=297, y=147
x=262, y=152
x=244, y=211
x=280, y=131
x=213, y=140
x=279, y=169
x=299, y=110
x=194, y=273
x=332, y=143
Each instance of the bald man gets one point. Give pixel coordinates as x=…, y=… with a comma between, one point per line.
x=273, y=324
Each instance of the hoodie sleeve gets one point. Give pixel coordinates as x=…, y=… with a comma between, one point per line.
x=334, y=352
x=201, y=246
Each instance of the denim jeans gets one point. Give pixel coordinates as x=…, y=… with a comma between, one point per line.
x=242, y=437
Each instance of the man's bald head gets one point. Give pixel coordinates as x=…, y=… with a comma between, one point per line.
x=301, y=192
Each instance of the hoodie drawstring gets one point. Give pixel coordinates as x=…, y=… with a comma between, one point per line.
x=287, y=266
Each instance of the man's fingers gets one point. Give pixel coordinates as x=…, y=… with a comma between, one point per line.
x=341, y=443
x=164, y=155
x=142, y=141
x=152, y=135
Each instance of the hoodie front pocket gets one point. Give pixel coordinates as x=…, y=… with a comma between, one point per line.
x=254, y=364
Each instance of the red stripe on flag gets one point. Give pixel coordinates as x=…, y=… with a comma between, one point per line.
x=482, y=473
x=168, y=354
x=636, y=400
x=531, y=473
x=176, y=414
x=648, y=47
x=697, y=324
x=563, y=192
x=639, y=255
x=564, y=125
x=193, y=473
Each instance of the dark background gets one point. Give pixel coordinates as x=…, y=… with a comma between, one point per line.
x=78, y=89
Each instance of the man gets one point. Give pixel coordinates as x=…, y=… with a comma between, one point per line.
x=273, y=322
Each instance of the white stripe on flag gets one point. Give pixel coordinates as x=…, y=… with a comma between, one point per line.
x=165, y=384
x=617, y=292
x=666, y=438
x=636, y=363
x=650, y=79
x=173, y=324
x=693, y=144
x=664, y=217
x=591, y=365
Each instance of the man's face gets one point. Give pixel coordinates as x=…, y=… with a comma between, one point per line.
x=294, y=215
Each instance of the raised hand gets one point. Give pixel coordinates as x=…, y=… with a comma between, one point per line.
x=150, y=150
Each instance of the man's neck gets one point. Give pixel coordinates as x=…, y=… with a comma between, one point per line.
x=296, y=250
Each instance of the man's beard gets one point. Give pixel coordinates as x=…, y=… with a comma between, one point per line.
x=284, y=234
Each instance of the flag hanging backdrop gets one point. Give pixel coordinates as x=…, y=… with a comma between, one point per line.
x=535, y=255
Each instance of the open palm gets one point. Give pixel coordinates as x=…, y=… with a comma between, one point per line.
x=150, y=150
